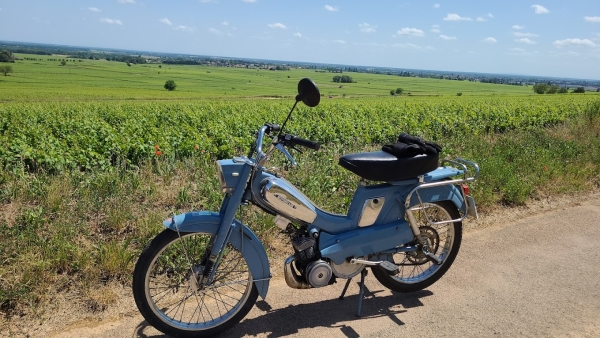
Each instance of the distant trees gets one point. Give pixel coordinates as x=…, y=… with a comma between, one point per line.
x=540, y=88
x=5, y=70
x=579, y=90
x=170, y=85
x=63, y=63
x=342, y=79
x=399, y=91
x=544, y=88
x=6, y=56
x=552, y=89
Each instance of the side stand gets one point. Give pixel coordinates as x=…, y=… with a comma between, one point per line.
x=361, y=293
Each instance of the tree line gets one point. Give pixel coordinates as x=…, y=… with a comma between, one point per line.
x=544, y=88
x=6, y=56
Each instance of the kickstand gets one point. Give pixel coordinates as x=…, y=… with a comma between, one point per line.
x=361, y=292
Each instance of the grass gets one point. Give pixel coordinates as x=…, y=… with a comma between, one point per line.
x=109, y=80
x=79, y=229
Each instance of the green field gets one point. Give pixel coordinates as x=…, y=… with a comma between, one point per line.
x=104, y=80
x=95, y=154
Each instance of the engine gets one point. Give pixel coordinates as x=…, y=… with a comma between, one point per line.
x=313, y=270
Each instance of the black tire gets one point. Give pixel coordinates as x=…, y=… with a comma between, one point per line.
x=168, y=268
x=417, y=273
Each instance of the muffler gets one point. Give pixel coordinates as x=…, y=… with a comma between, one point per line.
x=292, y=278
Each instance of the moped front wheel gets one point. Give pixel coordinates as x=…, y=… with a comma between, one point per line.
x=416, y=271
x=171, y=295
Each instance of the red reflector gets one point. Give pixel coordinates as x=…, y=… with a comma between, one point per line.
x=465, y=188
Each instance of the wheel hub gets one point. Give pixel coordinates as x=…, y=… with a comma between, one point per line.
x=429, y=240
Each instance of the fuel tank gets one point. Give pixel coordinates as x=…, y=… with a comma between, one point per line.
x=284, y=199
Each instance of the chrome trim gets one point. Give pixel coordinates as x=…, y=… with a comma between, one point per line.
x=370, y=211
x=291, y=277
x=464, y=164
x=283, y=197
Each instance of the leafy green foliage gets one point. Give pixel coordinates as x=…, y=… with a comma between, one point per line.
x=169, y=85
x=6, y=69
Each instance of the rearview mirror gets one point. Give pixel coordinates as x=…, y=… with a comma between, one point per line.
x=308, y=93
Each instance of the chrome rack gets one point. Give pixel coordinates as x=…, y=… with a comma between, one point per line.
x=467, y=176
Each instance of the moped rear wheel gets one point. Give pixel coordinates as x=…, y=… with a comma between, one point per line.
x=169, y=293
x=416, y=271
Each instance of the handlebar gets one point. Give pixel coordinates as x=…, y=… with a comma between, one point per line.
x=278, y=143
x=295, y=140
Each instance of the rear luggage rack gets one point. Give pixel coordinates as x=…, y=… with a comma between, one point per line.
x=469, y=171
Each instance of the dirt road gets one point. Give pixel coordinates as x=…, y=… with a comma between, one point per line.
x=536, y=277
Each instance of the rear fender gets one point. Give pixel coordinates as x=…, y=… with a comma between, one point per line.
x=252, y=249
x=437, y=194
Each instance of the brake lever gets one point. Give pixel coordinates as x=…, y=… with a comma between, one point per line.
x=296, y=149
x=281, y=148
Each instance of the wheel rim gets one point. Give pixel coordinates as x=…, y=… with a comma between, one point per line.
x=440, y=238
x=173, y=292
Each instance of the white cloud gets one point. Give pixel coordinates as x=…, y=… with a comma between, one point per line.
x=521, y=52
x=277, y=25
x=410, y=45
x=111, y=21
x=298, y=35
x=126, y=1
x=367, y=28
x=480, y=19
x=165, y=21
x=592, y=18
x=540, y=9
x=225, y=23
x=435, y=29
x=410, y=32
x=207, y=1
x=215, y=31
x=525, y=35
x=341, y=42
x=436, y=6
x=331, y=8
x=249, y=1
x=456, y=17
x=447, y=38
x=490, y=15
x=526, y=41
x=574, y=42
x=489, y=40
x=94, y=9
x=517, y=27
x=184, y=28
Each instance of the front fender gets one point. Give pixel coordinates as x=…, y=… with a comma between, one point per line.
x=442, y=193
x=251, y=248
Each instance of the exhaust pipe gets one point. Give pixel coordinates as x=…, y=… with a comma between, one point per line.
x=291, y=276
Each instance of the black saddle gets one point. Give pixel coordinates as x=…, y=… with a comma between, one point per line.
x=383, y=166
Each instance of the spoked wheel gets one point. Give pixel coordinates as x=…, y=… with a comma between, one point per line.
x=170, y=293
x=416, y=270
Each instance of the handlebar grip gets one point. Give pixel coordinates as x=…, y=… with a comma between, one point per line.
x=305, y=143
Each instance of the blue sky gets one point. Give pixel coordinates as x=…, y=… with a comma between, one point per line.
x=538, y=37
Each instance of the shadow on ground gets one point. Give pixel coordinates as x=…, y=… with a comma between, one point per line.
x=327, y=314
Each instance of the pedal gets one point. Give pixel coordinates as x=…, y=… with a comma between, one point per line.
x=389, y=267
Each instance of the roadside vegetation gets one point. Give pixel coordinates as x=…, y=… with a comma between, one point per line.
x=85, y=185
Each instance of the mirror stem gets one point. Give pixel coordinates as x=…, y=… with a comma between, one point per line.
x=288, y=117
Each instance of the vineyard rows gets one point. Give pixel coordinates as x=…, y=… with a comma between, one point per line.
x=97, y=135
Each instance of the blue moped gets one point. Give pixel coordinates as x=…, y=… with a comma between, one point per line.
x=204, y=272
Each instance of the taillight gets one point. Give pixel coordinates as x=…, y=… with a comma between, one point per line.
x=465, y=189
